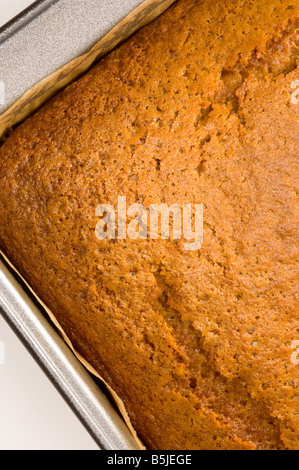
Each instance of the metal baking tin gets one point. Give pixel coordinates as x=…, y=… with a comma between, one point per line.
x=62, y=367
x=47, y=35
x=51, y=33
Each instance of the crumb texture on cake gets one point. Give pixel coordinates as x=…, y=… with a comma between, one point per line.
x=194, y=108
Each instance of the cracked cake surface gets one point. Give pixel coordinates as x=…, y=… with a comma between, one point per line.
x=194, y=108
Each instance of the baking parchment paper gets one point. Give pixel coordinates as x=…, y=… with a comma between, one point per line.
x=36, y=96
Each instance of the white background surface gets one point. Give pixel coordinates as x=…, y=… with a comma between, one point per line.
x=10, y=8
x=33, y=416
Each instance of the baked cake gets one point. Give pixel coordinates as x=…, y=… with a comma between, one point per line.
x=195, y=108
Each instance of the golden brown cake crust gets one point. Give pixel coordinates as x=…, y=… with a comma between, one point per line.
x=194, y=108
